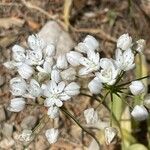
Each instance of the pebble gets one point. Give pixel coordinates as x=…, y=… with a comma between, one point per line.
x=2, y=114
x=7, y=130
x=29, y=122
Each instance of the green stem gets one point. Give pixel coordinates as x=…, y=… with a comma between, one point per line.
x=76, y=121
x=133, y=80
x=111, y=109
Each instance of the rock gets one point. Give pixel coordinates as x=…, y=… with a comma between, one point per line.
x=7, y=143
x=2, y=114
x=2, y=80
x=54, y=34
x=29, y=122
x=7, y=130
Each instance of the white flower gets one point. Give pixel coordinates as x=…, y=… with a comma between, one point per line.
x=25, y=71
x=25, y=135
x=55, y=94
x=89, y=44
x=18, y=86
x=53, y=112
x=49, y=51
x=137, y=87
x=140, y=45
x=34, y=57
x=72, y=89
x=73, y=58
x=109, y=73
x=139, y=113
x=18, y=53
x=55, y=75
x=35, y=43
x=91, y=63
x=110, y=134
x=124, y=42
x=95, y=86
x=16, y=104
x=69, y=74
x=91, y=116
x=62, y=62
x=34, y=88
x=46, y=67
x=52, y=135
x=125, y=60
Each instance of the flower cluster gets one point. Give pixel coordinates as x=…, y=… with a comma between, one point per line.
x=42, y=74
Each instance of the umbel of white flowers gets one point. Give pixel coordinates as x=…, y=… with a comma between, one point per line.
x=41, y=74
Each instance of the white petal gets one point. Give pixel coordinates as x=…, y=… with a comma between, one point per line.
x=9, y=65
x=95, y=86
x=16, y=105
x=63, y=96
x=140, y=45
x=49, y=102
x=55, y=75
x=73, y=58
x=62, y=62
x=61, y=87
x=49, y=51
x=25, y=71
x=53, y=112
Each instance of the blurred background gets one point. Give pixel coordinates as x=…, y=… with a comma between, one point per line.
x=104, y=19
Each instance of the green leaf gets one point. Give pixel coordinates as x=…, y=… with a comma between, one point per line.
x=137, y=147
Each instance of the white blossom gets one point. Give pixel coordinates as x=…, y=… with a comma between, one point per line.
x=34, y=57
x=55, y=94
x=89, y=44
x=108, y=73
x=91, y=116
x=55, y=75
x=110, y=134
x=62, y=62
x=72, y=89
x=18, y=86
x=35, y=42
x=125, y=60
x=16, y=104
x=137, y=87
x=25, y=71
x=34, y=88
x=124, y=42
x=53, y=112
x=91, y=63
x=139, y=113
x=95, y=86
x=52, y=135
x=140, y=45
x=18, y=53
x=73, y=58
x=69, y=74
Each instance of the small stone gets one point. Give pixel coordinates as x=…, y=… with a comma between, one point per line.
x=2, y=114
x=2, y=80
x=7, y=130
x=29, y=122
x=7, y=143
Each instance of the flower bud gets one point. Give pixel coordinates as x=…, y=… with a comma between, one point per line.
x=137, y=87
x=95, y=86
x=53, y=112
x=73, y=58
x=124, y=42
x=16, y=104
x=139, y=113
x=140, y=45
x=91, y=116
x=25, y=71
x=52, y=135
x=62, y=62
x=147, y=101
x=72, y=89
x=110, y=134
